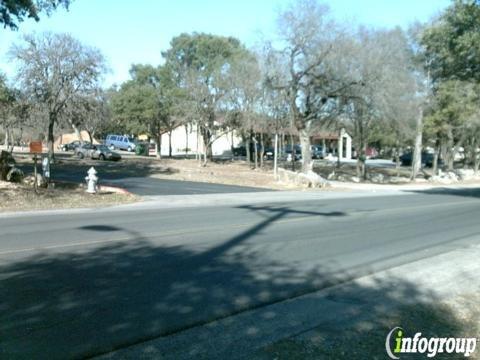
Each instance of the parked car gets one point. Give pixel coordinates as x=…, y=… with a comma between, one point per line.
x=84, y=150
x=268, y=153
x=120, y=142
x=288, y=152
x=102, y=152
x=426, y=159
x=72, y=146
x=240, y=151
x=317, y=152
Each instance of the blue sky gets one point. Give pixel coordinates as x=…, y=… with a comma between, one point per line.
x=137, y=31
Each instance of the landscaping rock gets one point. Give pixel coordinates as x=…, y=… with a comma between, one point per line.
x=308, y=179
x=444, y=178
x=398, y=180
x=465, y=174
x=377, y=178
x=30, y=180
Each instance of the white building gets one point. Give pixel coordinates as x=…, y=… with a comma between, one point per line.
x=185, y=139
x=337, y=144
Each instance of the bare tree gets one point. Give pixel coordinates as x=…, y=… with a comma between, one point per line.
x=244, y=84
x=53, y=69
x=7, y=103
x=384, y=90
x=310, y=53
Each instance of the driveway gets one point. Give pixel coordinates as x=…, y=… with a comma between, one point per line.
x=135, y=177
x=146, y=186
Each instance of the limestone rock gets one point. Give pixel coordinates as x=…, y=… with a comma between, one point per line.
x=308, y=179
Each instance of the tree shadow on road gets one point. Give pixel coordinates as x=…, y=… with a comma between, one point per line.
x=76, y=170
x=464, y=192
x=78, y=304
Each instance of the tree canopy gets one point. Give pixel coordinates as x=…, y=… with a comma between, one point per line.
x=13, y=12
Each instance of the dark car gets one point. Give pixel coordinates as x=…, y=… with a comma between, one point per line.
x=72, y=146
x=288, y=152
x=102, y=152
x=268, y=153
x=240, y=151
x=317, y=152
x=426, y=159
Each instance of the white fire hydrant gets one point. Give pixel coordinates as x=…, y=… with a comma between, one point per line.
x=92, y=180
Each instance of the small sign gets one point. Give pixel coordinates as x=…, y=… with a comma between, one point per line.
x=35, y=147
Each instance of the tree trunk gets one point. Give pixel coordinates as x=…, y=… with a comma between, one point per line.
x=186, y=140
x=255, y=151
x=231, y=146
x=450, y=150
x=361, y=147
x=247, y=150
x=209, y=147
x=7, y=140
x=473, y=154
x=397, y=157
x=417, y=153
x=77, y=133
x=275, y=157
x=207, y=144
x=158, y=146
x=50, y=136
x=293, y=151
x=205, y=154
x=307, y=164
x=476, y=161
x=170, y=144
x=397, y=161
x=262, y=150
x=197, y=154
x=436, y=152
x=361, y=158
x=90, y=136
x=339, y=162
x=281, y=149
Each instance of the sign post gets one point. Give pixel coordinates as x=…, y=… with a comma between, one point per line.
x=35, y=149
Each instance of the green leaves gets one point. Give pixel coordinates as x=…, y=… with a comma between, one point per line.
x=452, y=42
x=145, y=104
x=200, y=52
x=14, y=11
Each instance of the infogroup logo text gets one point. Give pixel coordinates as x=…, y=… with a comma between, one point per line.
x=429, y=346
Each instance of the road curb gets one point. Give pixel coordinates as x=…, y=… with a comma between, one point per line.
x=101, y=187
x=115, y=189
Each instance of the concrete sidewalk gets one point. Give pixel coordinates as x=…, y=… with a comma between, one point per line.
x=438, y=296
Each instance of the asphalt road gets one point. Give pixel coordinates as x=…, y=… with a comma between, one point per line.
x=135, y=178
x=74, y=286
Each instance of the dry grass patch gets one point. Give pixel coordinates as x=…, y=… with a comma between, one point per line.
x=17, y=197
x=227, y=172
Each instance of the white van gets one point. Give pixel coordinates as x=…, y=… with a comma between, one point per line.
x=121, y=142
